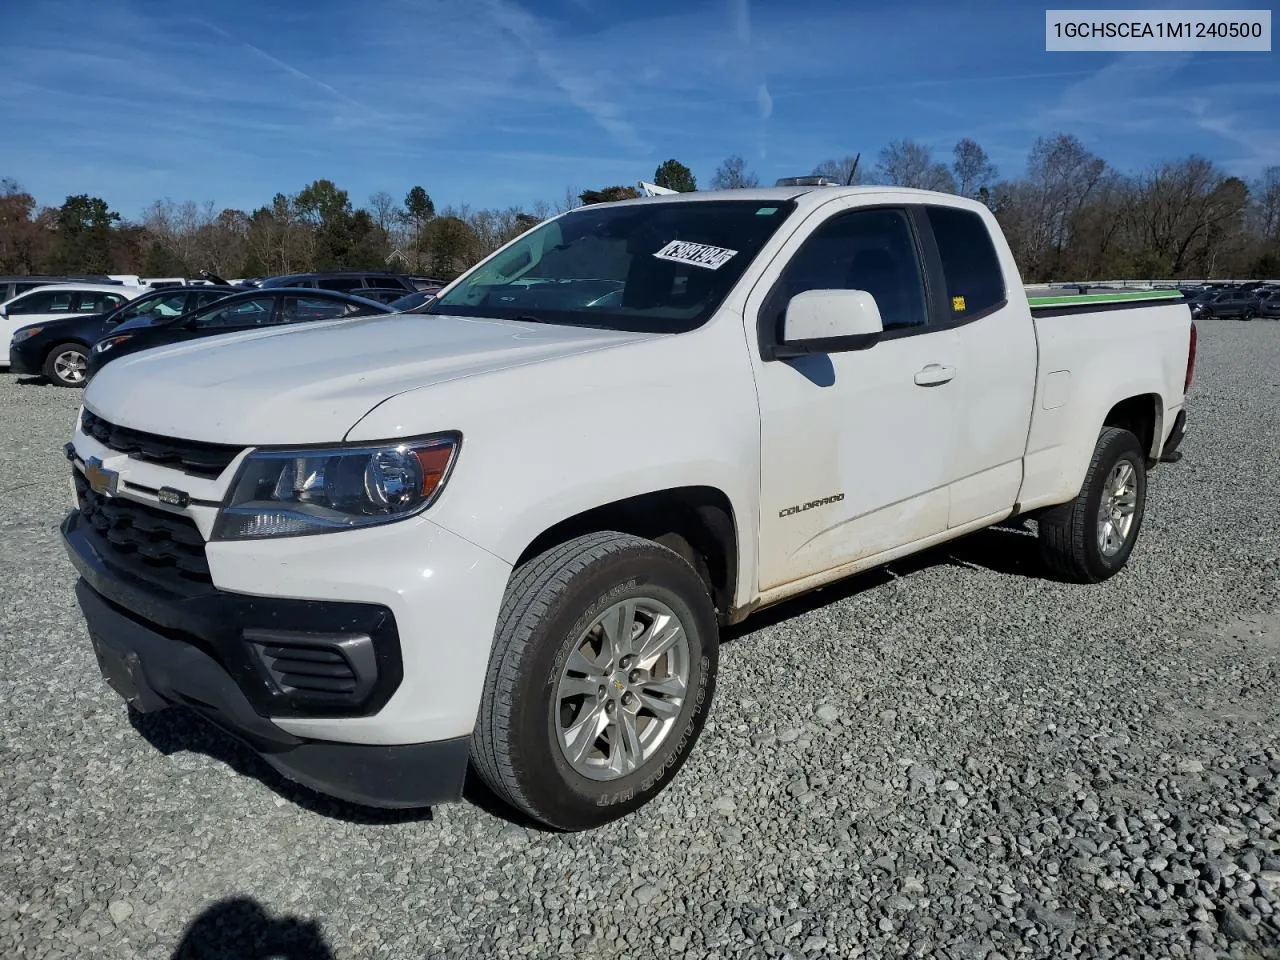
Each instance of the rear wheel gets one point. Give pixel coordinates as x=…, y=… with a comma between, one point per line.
x=1091, y=538
x=1247, y=315
x=600, y=680
x=67, y=365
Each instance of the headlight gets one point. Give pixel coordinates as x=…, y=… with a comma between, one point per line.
x=288, y=493
x=102, y=346
x=26, y=333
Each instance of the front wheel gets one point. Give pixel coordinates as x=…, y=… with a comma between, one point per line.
x=67, y=365
x=1090, y=538
x=1248, y=315
x=600, y=681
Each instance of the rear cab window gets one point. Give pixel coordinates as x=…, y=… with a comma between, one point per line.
x=970, y=265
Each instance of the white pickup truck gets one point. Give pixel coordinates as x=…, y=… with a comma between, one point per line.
x=500, y=538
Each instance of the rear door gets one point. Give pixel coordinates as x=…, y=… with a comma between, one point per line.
x=996, y=379
x=858, y=448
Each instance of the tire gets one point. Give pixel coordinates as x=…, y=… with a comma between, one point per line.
x=1071, y=536
x=62, y=368
x=1247, y=315
x=522, y=746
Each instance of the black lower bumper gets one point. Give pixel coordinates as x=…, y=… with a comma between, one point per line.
x=22, y=364
x=153, y=666
x=152, y=672
x=1171, y=453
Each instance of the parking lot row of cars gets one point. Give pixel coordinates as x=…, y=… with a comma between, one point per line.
x=1242, y=301
x=65, y=329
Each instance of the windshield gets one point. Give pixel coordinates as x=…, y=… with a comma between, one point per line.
x=157, y=308
x=649, y=267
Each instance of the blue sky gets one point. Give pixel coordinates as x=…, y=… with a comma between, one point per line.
x=501, y=102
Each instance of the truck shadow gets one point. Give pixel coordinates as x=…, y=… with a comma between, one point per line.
x=1010, y=548
x=178, y=730
x=239, y=928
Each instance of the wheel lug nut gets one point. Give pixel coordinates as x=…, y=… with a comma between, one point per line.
x=628, y=700
x=611, y=707
x=627, y=661
x=634, y=676
x=601, y=692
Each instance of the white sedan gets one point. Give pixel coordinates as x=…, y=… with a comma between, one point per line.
x=58, y=301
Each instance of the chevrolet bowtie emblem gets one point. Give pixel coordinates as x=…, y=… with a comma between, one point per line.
x=101, y=480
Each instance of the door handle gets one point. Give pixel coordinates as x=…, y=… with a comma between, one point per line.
x=935, y=374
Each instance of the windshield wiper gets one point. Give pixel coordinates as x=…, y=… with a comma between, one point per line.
x=530, y=318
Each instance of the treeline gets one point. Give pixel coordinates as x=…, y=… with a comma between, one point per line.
x=1068, y=215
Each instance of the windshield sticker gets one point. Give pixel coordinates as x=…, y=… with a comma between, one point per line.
x=766, y=211
x=696, y=254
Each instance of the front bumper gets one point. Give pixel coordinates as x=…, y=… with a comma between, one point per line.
x=23, y=361
x=153, y=667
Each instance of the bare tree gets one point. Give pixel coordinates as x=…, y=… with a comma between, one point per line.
x=840, y=168
x=1266, y=205
x=973, y=169
x=733, y=174
x=905, y=163
x=1061, y=177
x=570, y=201
x=1186, y=210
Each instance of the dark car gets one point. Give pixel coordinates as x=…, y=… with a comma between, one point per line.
x=246, y=310
x=358, y=282
x=1269, y=305
x=59, y=349
x=1229, y=303
x=414, y=302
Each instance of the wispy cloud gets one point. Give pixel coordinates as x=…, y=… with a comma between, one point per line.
x=583, y=92
x=487, y=102
x=286, y=67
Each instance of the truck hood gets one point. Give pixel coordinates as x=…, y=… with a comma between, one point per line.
x=312, y=382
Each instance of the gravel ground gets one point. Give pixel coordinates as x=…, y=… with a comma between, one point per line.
x=951, y=758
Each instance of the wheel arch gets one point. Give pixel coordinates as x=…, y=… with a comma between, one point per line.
x=698, y=522
x=1143, y=416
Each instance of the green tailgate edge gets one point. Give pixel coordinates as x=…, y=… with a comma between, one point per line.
x=1104, y=297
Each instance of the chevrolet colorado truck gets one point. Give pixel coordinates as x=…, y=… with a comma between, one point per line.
x=499, y=538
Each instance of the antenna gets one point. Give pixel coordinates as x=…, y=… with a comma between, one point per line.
x=853, y=171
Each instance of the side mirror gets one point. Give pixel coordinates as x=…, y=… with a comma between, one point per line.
x=829, y=321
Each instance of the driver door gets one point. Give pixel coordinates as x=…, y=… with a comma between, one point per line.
x=857, y=448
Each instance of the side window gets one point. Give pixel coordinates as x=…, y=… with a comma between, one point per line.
x=35, y=303
x=91, y=302
x=871, y=250
x=970, y=265
x=302, y=309
x=204, y=299
x=340, y=284
x=243, y=313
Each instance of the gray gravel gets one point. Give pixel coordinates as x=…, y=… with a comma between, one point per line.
x=952, y=758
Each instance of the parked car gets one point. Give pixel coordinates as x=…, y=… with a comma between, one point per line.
x=387, y=552
x=386, y=295
x=245, y=310
x=1269, y=305
x=413, y=302
x=429, y=284
x=59, y=349
x=1229, y=303
x=58, y=301
x=11, y=286
x=347, y=281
